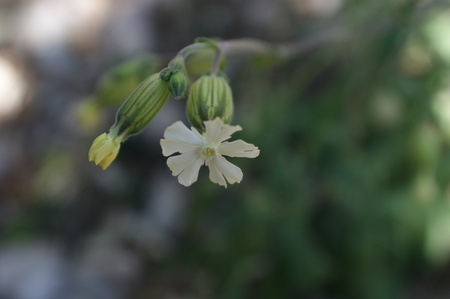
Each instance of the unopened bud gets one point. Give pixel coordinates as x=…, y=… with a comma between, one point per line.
x=210, y=97
x=141, y=106
x=135, y=113
x=178, y=84
x=104, y=149
x=177, y=77
x=165, y=74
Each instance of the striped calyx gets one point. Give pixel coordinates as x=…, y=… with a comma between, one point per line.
x=210, y=97
x=178, y=84
x=141, y=106
x=177, y=77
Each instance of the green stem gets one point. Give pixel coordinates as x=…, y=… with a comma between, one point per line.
x=245, y=45
x=280, y=51
x=286, y=51
x=188, y=50
x=216, y=62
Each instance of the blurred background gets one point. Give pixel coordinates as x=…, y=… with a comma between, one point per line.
x=350, y=197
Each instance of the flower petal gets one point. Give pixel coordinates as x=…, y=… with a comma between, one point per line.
x=190, y=175
x=220, y=165
x=104, y=150
x=186, y=167
x=179, y=132
x=217, y=131
x=215, y=175
x=179, y=163
x=180, y=139
x=238, y=148
x=170, y=147
x=108, y=159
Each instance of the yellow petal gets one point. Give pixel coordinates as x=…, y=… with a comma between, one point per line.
x=104, y=150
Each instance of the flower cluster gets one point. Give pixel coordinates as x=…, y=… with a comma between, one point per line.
x=209, y=109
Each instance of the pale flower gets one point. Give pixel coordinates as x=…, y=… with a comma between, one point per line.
x=104, y=150
x=197, y=149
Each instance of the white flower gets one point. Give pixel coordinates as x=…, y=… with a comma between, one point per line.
x=208, y=149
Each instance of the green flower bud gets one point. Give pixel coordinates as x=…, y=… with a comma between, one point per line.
x=135, y=113
x=177, y=77
x=165, y=74
x=210, y=97
x=141, y=106
x=178, y=84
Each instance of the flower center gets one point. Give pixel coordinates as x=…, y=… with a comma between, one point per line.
x=209, y=152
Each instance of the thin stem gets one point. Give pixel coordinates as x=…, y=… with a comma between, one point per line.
x=249, y=45
x=279, y=51
x=216, y=62
x=285, y=51
x=186, y=51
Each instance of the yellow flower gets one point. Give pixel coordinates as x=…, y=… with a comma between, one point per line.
x=104, y=150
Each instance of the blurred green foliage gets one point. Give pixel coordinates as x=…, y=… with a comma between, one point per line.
x=115, y=85
x=350, y=196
